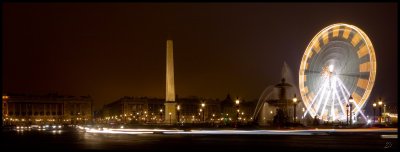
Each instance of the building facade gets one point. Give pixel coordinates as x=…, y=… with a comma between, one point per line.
x=144, y=110
x=47, y=109
x=132, y=110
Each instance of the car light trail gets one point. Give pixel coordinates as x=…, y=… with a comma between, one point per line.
x=238, y=132
x=389, y=136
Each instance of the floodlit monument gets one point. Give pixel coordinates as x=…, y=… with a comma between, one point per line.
x=170, y=104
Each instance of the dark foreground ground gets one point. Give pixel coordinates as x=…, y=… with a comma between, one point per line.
x=71, y=139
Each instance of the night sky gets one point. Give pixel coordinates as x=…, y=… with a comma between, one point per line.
x=112, y=50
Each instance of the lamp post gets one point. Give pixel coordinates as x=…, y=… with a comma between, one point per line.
x=178, y=108
x=237, y=102
x=145, y=116
x=201, y=112
x=170, y=119
x=374, y=106
x=4, y=107
x=347, y=114
x=202, y=107
x=238, y=114
x=384, y=108
x=383, y=114
x=380, y=111
x=213, y=115
x=294, y=108
x=351, y=100
x=161, y=114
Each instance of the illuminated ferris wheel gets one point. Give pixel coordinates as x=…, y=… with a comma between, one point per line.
x=338, y=63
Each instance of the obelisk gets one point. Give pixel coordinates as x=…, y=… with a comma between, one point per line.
x=170, y=104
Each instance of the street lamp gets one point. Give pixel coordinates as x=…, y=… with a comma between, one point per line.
x=145, y=116
x=374, y=106
x=5, y=105
x=380, y=110
x=178, y=108
x=351, y=100
x=384, y=111
x=5, y=97
x=213, y=119
x=202, y=106
x=170, y=118
x=161, y=114
x=201, y=112
x=384, y=108
x=294, y=108
x=347, y=114
x=237, y=101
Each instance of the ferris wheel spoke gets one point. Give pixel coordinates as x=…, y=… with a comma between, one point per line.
x=312, y=72
x=357, y=75
x=320, y=91
x=342, y=91
x=350, y=75
x=338, y=97
x=313, y=100
x=340, y=102
x=333, y=105
x=357, y=108
x=345, y=102
x=326, y=101
x=359, y=111
x=320, y=100
x=341, y=84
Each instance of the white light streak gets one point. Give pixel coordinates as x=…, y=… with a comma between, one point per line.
x=357, y=109
x=312, y=102
x=340, y=102
x=389, y=136
x=326, y=101
x=320, y=100
x=333, y=106
x=329, y=90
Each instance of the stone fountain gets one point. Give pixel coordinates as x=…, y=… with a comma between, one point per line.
x=275, y=105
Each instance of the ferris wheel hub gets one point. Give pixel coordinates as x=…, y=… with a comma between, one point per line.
x=331, y=68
